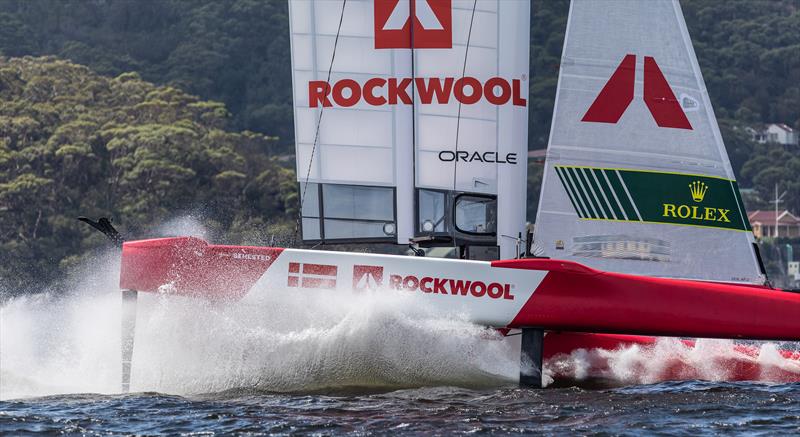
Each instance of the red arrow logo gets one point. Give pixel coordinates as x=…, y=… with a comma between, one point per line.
x=432, y=21
x=617, y=95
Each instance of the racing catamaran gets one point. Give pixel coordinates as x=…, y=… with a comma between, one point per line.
x=411, y=123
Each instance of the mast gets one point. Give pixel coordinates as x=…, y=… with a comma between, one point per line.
x=777, y=201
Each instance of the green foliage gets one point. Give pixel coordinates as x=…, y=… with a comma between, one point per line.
x=237, y=52
x=774, y=165
x=234, y=51
x=75, y=143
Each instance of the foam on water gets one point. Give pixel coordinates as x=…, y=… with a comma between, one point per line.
x=65, y=342
x=671, y=359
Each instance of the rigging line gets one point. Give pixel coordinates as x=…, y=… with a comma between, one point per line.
x=319, y=122
x=458, y=119
x=412, y=18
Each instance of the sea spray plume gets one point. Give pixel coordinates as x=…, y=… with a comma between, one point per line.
x=288, y=342
x=276, y=341
x=184, y=226
x=675, y=359
x=63, y=341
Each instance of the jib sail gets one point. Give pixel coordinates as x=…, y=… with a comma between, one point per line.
x=637, y=177
x=411, y=119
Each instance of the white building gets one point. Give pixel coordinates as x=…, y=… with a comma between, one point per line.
x=776, y=133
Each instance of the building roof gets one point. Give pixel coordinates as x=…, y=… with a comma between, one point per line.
x=783, y=126
x=768, y=217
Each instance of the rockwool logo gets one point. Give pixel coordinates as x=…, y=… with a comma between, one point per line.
x=367, y=277
x=432, y=21
x=617, y=95
x=378, y=91
x=371, y=277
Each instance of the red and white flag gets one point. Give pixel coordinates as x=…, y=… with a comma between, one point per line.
x=307, y=275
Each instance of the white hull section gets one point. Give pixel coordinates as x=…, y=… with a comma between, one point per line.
x=482, y=294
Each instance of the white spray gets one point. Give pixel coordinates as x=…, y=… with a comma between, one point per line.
x=284, y=342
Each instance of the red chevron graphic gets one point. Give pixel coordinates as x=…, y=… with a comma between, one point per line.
x=660, y=99
x=617, y=95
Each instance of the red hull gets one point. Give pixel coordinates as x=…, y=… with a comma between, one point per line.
x=573, y=297
x=570, y=297
x=566, y=297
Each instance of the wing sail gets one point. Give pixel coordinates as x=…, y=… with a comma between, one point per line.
x=637, y=177
x=411, y=119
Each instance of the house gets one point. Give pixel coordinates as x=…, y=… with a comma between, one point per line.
x=776, y=133
x=763, y=224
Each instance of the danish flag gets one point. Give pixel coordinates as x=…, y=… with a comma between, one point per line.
x=308, y=275
x=432, y=21
x=617, y=95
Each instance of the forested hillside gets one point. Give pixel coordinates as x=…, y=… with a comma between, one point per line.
x=75, y=143
x=237, y=52
x=85, y=131
x=233, y=51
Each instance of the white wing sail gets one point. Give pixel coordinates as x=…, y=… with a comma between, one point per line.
x=411, y=118
x=350, y=163
x=637, y=177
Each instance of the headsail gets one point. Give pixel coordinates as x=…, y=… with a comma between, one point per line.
x=637, y=178
x=411, y=119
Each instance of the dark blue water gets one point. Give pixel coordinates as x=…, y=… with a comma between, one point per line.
x=671, y=408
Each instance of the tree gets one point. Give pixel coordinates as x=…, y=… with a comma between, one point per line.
x=76, y=143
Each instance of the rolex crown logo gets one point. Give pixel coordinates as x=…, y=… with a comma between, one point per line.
x=698, y=190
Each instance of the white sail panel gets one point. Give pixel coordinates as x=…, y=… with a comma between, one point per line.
x=637, y=177
x=407, y=96
x=495, y=25
x=479, y=144
x=345, y=133
x=355, y=145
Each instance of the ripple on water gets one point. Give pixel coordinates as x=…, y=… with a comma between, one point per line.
x=672, y=408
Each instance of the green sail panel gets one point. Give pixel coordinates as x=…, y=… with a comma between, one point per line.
x=654, y=197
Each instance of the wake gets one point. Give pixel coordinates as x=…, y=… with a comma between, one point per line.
x=671, y=359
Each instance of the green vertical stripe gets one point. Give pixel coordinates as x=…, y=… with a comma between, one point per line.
x=585, y=194
x=623, y=198
x=598, y=208
x=605, y=193
x=742, y=210
x=569, y=193
x=576, y=190
x=609, y=193
x=594, y=190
